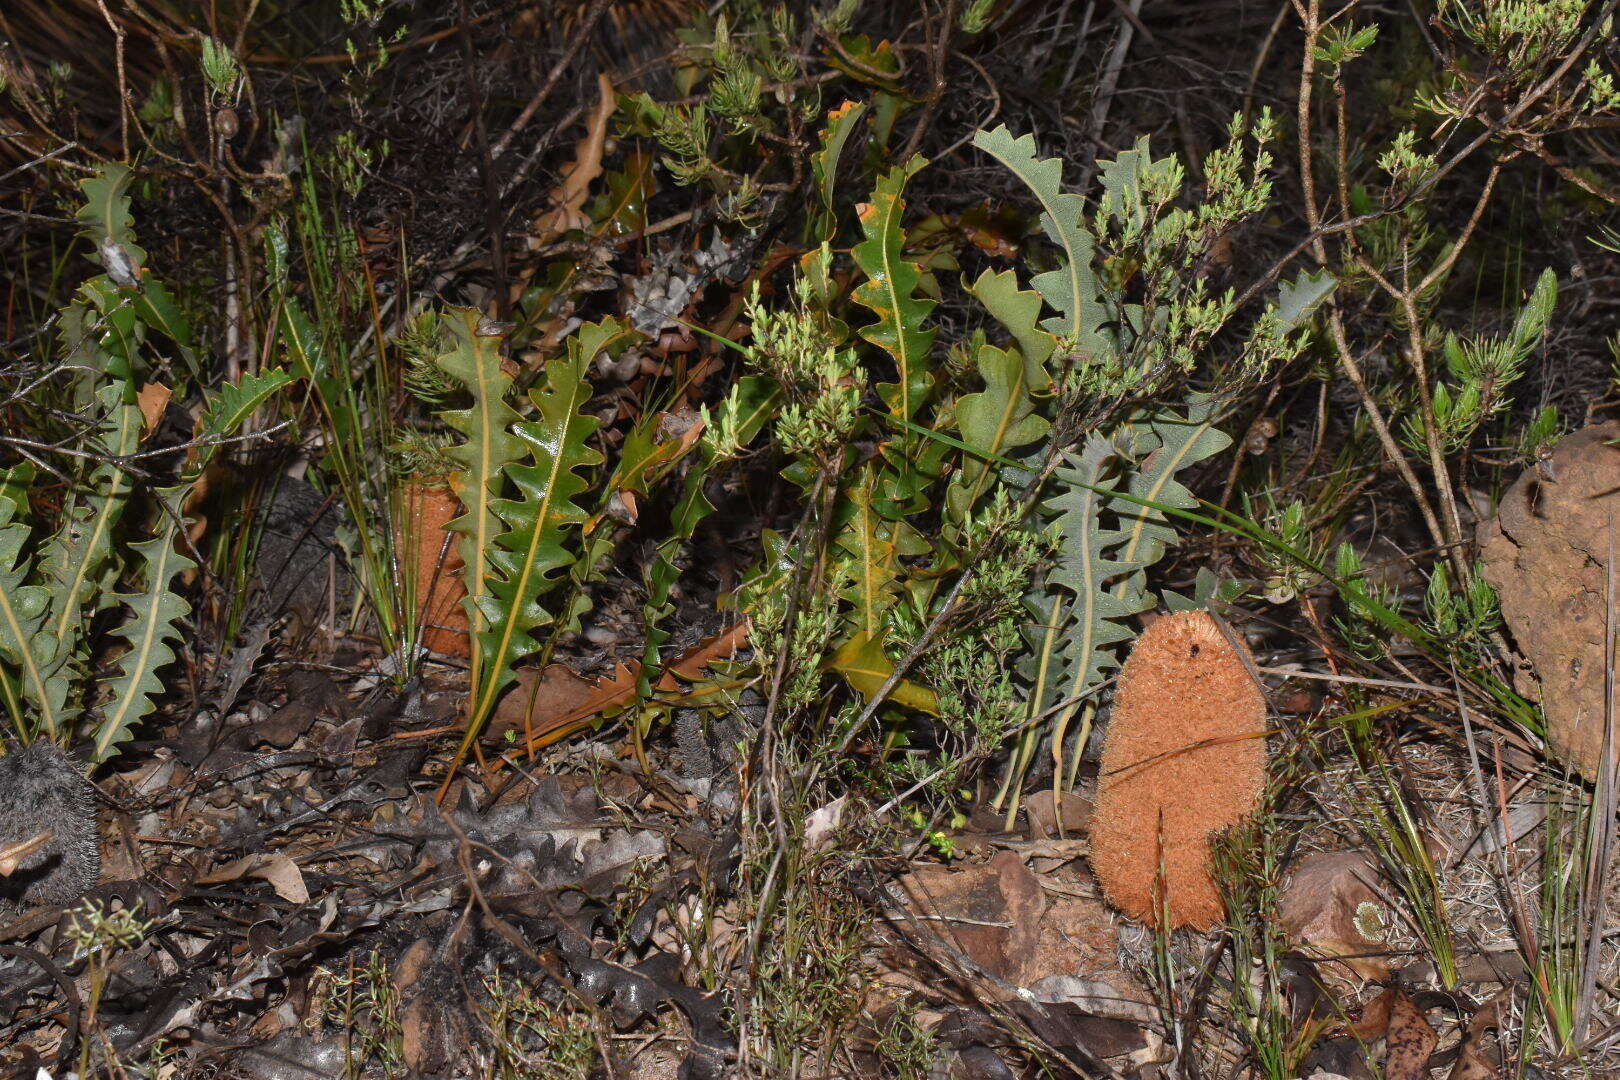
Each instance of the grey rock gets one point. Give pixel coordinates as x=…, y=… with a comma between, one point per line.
x=42, y=789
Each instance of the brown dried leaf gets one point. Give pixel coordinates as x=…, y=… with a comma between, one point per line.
x=1474, y=1062
x=1409, y=1041
x=538, y=700
x=1374, y=1018
x=991, y=913
x=568, y=198
x=691, y=664
x=279, y=870
x=153, y=398
x=1051, y=817
x=567, y=707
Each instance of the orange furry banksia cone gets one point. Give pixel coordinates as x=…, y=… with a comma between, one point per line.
x=1185, y=757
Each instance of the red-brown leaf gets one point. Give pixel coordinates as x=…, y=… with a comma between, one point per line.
x=1410, y=1041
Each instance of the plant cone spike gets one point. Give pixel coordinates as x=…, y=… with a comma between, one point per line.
x=429, y=508
x=1185, y=757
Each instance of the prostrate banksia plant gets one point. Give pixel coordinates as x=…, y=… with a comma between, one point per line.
x=1185, y=757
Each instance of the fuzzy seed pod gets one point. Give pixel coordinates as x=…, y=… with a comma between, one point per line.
x=43, y=792
x=1185, y=757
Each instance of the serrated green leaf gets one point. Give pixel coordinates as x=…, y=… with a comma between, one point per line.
x=157, y=308
x=995, y=421
x=526, y=556
x=1071, y=290
x=1086, y=568
x=815, y=270
x=1108, y=537
x=488, y=447
x=75, y=563
x=154, y=611
x=23, y=609
x=231, y=405
x=645, y=458
x=1298, y=299
x=890, y=292
x=758, y=398
x=112, y=331
x=1122, y=179
x=15, y=484
x=1019, y=310
x=873, y=546
x=155, y=608
x=663, y=571
x=105, y=214
x=1182, y=441
x=300, y=342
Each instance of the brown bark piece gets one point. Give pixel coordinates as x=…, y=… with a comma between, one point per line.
x=1546, y=554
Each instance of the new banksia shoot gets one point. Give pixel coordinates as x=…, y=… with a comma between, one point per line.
x=1185, y=757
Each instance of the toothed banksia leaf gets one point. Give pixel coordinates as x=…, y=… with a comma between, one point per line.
x=1110, y=531
x=518, y=484
x=528, y=553
x=488, y=447
x=1185, y=758
x=891, y=293
x=1072, y=289
x=155, y=609
x=23, y=609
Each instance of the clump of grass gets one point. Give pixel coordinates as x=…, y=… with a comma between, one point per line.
x=1390, y=827
x=1248, y=867
x=533, y=1040
x=808, y=961
x=359, y=999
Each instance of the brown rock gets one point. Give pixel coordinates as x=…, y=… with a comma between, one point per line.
x=1546, y=553
x=1329, y=907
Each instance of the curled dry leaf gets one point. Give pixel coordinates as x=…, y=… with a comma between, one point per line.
x=1057, y=817
x=1374, y=1018
x=563, y=703
x=279, y=870
x=991, y=914
x=568, y=197
x=1332, y=912
x=1474, y=1061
